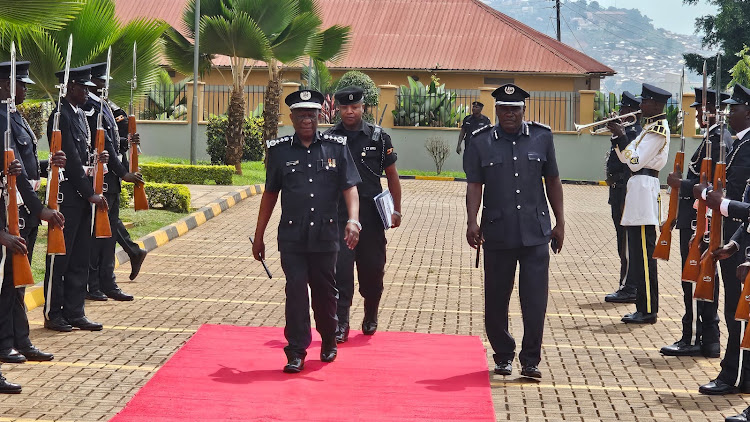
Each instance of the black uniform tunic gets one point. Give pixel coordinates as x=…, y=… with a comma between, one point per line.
x=516, y=228
x=310, y=180
x=372, y=151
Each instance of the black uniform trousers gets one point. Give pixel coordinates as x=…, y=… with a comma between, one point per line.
x=736, y=362
x=642, y=267
x=700, y=324
x=616, y=203
x=316, y=269
x=369, y=255
x=533, y=286
x=102, y=261
x=66, y=275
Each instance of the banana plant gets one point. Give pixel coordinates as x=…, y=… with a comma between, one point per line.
x=431, y=106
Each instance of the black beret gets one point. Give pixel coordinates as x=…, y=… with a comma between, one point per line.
x=80, y=75
x=22, y=71
x=629, y=100
x=650, y=92
x=740, y=95
x=349, y=95
x=510, y=95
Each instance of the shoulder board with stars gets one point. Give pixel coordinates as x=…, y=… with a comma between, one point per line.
x=658, y=128
x=484, y=128
x=277, y=141
x=542, y=125
x=341, y=139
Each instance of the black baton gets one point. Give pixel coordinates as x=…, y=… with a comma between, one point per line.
x=262, y=261
x=479, y=247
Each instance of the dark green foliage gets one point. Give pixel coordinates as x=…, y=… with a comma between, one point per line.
x=36, y=114
x=217, y=141
x=187, y=174
x=357, y=78
x=165, y=195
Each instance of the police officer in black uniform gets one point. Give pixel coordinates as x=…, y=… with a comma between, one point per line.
x=373, y=153
x=102, y=283
x=15, y=345
x=472, y=122
x=66, y=275
x=311, y=170
x=700, y=329
x=617, y=178
x=735, y=366
x=510, y=160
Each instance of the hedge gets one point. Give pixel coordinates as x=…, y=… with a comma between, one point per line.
x=186, y=174
x=163, y=195
x=216, y=143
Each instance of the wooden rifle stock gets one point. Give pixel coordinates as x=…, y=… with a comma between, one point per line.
x=21, y=268
x=691, y=270
x=140, y=201
x=55, y=238
x=664, y=244
x=743, y=305
x=101, y=227
x=745, y=345
x=704, y=290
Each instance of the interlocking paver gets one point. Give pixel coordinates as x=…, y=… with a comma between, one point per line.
x=595, y=368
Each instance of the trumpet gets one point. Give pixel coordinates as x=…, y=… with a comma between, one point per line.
x=615, y=116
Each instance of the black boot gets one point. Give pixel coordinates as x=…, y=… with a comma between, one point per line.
x=370, y=323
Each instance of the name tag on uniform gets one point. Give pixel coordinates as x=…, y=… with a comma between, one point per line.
x=292, y=163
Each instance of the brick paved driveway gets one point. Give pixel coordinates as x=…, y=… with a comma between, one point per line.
x=595, y=368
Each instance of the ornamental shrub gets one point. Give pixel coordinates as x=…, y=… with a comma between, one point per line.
x=372, y=94
x=217, y=141
x=167, y=196
x=186, y=173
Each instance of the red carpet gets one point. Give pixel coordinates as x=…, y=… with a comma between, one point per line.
x=227, y=373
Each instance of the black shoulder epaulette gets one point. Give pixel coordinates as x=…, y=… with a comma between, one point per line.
x=341, y=139
x=277, y=141
x=659, y=128
x=484, y=128
x=533, y=123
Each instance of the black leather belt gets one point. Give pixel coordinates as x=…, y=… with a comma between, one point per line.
x=647, y=172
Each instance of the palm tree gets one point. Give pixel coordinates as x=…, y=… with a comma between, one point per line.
x=33, y=15
x=276, y=32
x=94, y=30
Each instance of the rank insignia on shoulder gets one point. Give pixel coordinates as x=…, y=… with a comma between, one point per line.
x=335, y=138
x=480, y=130
x=634, y=160
x=542, y=125
x=274, y=142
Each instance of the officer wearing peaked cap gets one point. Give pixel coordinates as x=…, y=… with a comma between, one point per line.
x=66, y=275
x=471, y=123
x=373, y=154
x=617, y=178
x=310, y=171
x=515, y=161
x=645, y=156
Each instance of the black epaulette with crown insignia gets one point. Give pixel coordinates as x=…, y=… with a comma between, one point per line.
x=533, y=123
x=484, y=128
x=659, y=128
x=278, y=141
x=341, y=139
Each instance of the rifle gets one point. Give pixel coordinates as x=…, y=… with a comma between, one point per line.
x=55, y=238
x=664, y=244
x=743, y=305
x=691, y=271
x=101, y=217
x=140, y=201
x=20, y=262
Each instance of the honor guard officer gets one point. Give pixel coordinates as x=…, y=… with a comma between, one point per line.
x=15, y=345
x=311, y=171
x=102, y=282
x=700, y=329
x=735, y=366
x=515, y=161
x=645, y=156
x=471, y=123
x=373, y=153
x=617, y=178
x=66, y=275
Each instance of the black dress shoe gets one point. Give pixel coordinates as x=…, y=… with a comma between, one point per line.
x=744, y=416
x=36, y=355
x=96, y=295
x=119, y=295
x=620, y=296
x=136, y=260
x=84, y=323
x=639, y=318
x=58, y=324
x=504, y=368
x=328, y=350
x=8, y=387
x=342, y=333
x=369, y=327
x=11, y=356
x=531, y=371
x=294, y=365
x=718, y=387
x=711, y=350
x=681, y=348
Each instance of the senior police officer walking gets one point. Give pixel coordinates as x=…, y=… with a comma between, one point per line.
x=510, y=160
x=373, y=153
x=311, y=170
x=472, y=122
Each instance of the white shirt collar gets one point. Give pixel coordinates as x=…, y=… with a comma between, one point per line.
x=742, y=134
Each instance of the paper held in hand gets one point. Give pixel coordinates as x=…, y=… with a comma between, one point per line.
x=384, y=204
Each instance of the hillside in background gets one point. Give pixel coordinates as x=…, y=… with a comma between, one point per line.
x=623, y=39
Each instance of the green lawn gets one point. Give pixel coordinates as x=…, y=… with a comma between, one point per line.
x=458, y=174
x=144, y=222
x=253, y=172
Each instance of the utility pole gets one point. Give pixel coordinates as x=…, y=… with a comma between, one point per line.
x=557, y=8
x=194, y=121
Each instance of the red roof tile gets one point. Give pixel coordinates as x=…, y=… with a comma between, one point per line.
x=464, y=35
